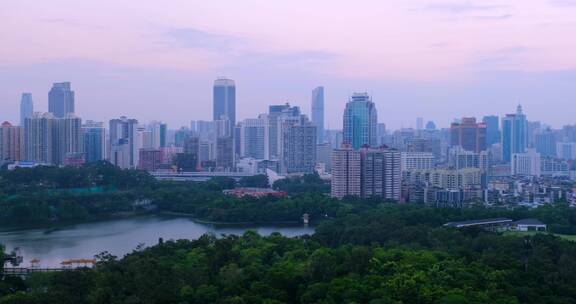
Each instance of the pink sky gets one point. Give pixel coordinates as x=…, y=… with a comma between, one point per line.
x=156, y=60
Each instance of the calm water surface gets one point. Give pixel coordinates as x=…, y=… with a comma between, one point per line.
x=118, y=237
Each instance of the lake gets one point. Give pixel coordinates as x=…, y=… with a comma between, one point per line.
x=118, y=237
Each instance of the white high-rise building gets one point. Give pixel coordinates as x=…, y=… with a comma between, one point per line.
x=417, y=161
x=39, y=134
x=124, y=144
x=566, y=150
x=526, y=164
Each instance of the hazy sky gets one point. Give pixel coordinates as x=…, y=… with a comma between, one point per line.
x=157, y=59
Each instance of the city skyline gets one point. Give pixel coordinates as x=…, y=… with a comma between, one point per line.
x=156, y=63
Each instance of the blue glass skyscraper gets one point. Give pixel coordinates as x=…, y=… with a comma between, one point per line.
x=492, y=129
x=26, y=108
x=224, y=95
x=514, y=134
x=360, y=121
x=61, y=100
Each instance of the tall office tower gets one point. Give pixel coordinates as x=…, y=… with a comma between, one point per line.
x=419, y=123
x=11, y=143
x=346, y=172
x=299, y=146
x=39, y=137
x=94, y=137
x=492, y=129
x=324, y=155
x=360, y=120
x=181, y=134
x=61, y=99
x=526, y=164
x=124, y=143
x=254, y=137
x=469, y=134
x=514, y=134
x=381, y=174
x=225, y=153
x=69, y=140
x=190, y=158
x=417, y=161
x=224, y=96
x=276, y=114
x=318, y=112
x=26, y=107
x=546, y=143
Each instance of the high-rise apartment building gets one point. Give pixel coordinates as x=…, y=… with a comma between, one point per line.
x=318, y=112
x=224, y=98
x=11, y=143
x=39, y=136
x=514, y=134
x=150, y=159
x=94, y=137
x=381, y=174
x=299, y=146
x=124, y=146
x=366, y=173
x=254, y=136
x=545, y=143
x=469, y=134
x=69, y=142
x=225, y=160
x=276, y=115
x=417, y=161
x=61, y=99
x=26, y=107
x=360, y=121
x=346, y=172
x=492, y=129
x=566, y=150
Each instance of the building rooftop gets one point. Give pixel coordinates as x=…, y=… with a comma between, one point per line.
x=479, y=222
x=529, y=221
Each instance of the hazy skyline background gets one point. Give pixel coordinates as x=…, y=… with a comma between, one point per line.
x=436, y=59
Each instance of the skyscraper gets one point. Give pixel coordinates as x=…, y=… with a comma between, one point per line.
x=469, y=134
x=224, y=97
x=61, y=99
x=492, y=129
x=124, y=144
x=318, y=112
x=94, y=137
x=514, y=134
x=26, y=107
x=360, y=121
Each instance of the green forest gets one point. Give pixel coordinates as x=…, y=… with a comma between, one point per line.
x=362, y=251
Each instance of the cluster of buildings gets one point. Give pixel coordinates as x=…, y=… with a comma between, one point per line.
x=495, y=160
